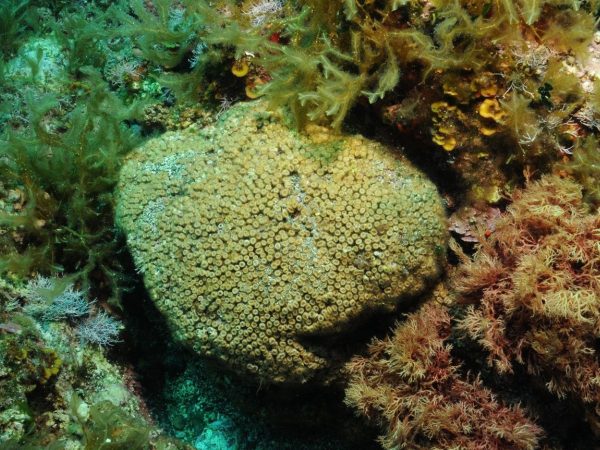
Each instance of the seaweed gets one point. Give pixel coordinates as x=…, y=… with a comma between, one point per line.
x=335, y=94
x=388, y=78
x=183, y=43
x=81, y=30
x=164, y=32
x=521, y=119
x=108, y=427
x=585, y=168
x=67, y=168
x=329, y=55
x=570, y=30
x=293, y=72
x=532, y=291
x=413, y=387
x=12, y=24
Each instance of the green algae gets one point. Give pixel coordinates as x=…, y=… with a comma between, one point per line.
x=67, y=177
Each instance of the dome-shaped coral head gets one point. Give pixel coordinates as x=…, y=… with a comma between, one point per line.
x=260, y=244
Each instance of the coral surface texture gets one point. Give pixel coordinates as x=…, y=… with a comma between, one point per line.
x=259, y=243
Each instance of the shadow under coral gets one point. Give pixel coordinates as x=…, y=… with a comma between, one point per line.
x=193, y=398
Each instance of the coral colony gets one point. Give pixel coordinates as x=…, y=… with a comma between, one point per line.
x=299, y=224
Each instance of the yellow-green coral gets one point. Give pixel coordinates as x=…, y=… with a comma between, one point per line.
x=252, y=237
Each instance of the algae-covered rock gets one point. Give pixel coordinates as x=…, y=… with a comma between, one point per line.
x=58, y=392
x=255, y=241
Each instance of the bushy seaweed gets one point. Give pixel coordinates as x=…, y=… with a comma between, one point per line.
x=411, y=385
x=533, y=291
x=327, y=56
x=164, y=33
x=585, y=168
x=66, y=167
x=12, y=24
x=320, y=58
x=83, y=30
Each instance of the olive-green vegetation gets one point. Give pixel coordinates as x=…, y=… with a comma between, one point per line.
x=333, y=54
x=67, y=177
x=63, y=136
